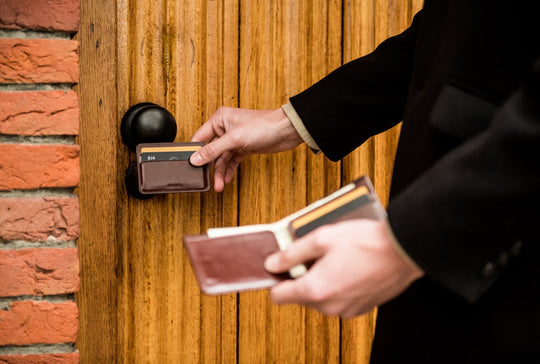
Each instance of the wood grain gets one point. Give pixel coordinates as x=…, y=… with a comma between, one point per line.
x=218, y=87
x=176, y=56
x=269, y=41
x=98, y=192
x=322, y=55
x=139, y=300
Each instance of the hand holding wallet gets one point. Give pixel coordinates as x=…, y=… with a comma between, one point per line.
x=232, y=259
x=165, y=168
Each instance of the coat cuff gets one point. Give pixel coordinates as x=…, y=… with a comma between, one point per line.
x=300, y=127
x=399, y=249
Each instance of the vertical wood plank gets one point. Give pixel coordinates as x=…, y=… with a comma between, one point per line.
x=261, y=177
x=219, y=87
x=323, y=55
x=285, y=47
x=182, y=56
x=97, y=191
x=140, y=79
x=271, y=187
x=123, y=70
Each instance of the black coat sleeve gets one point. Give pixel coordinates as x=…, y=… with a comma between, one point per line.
x=363, y=97
x=466, y=213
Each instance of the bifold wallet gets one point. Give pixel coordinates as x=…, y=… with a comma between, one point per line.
x=165, y=168
x=227, y=260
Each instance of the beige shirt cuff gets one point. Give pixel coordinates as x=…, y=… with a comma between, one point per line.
x=300, y=127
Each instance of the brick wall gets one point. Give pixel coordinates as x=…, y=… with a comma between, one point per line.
x=39, y=170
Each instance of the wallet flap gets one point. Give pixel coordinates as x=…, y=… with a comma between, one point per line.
x=232, y=263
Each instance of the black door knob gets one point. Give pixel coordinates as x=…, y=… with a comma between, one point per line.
x=147, y=123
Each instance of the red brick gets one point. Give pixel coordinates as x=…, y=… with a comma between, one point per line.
x=38, y=61
x=39, y=113
x=59, y=15
x=39, y=219
x=39, y=322
x=24, y=166
x=60, y=358
x=39, y=272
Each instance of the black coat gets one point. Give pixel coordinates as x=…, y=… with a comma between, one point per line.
x=465, y=198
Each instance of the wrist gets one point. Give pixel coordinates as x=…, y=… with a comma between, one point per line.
x=289, y=133
x=301, y=129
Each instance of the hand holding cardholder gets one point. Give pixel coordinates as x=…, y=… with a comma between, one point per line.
x=165, y=168
x=232, y=259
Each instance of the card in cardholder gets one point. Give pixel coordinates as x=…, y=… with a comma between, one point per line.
x=232, y=263
x=165, y=168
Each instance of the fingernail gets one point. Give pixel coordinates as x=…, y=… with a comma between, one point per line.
x=195, y=159
x=271, y=263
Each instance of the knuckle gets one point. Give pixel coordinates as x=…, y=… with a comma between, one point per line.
x=237, y=159
x=223, y=110
x=315, y=293
x=320, y=239
x=237, y=139
x=331, y=310
x=285, y=258
x=208, y=151
x=234, y=137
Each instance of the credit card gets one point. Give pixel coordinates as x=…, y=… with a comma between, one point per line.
x=331, y=212
x=177, y=153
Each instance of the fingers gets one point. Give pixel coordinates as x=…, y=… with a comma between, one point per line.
x=316, y=289
x=213, y=150
x=303, y=250
x=358, y=269
x=205, y=133
x=220, y=170
x=232, y=166
x=291, y=291
x=240, y=132
x=224, y=169
x=211, y=128
x=309, y=290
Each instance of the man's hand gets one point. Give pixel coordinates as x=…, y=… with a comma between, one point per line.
x=236, y=133
x=356, y=268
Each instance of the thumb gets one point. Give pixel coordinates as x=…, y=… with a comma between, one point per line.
x=301, y=251
x=211, y=151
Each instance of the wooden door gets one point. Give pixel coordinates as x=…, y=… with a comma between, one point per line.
x=139, y=301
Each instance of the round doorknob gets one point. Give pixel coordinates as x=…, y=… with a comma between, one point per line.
x=147, y=123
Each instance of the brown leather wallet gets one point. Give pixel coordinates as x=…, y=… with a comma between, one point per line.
x=232, y=263
x=165, y=168
x=232, y=259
